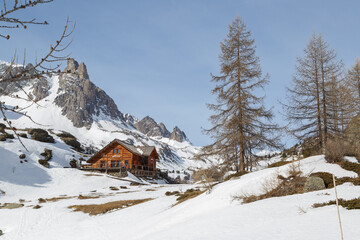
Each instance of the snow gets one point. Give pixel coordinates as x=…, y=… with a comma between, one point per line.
x=265, y=152
x=103, y=130
x=212, y=215
x=351, y=159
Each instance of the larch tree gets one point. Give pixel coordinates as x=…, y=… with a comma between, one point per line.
x=353, y=79
x=240, y=123
x=313, y=84
x=341, y=105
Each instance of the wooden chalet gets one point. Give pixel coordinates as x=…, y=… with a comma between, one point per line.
x=121, y=156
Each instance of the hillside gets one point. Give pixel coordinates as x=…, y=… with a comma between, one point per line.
x=70, y=102
x=212, y=215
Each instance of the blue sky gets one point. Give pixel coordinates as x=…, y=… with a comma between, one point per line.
x=155, y=57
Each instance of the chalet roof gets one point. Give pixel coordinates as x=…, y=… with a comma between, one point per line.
x=143, y=151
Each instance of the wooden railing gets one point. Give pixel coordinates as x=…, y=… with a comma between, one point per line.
x=137, y=170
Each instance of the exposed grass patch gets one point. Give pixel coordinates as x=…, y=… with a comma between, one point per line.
x=348, y=204
x=87, y=197
x=127, y=192
x=134, y=184
x=279, y=186
x=37, y=207
x=285, y=188
x=234, y=175
x=114, y=188
x=355, y=167
x=54, y=199
x=150, y=190
x=95, y=209
x=176, y=193
x=278, y=164
x=92, y=175
x=188, y=194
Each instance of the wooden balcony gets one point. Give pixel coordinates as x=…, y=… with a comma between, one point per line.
x=137, y=170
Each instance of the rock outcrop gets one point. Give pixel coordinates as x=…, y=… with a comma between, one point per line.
x=178, y=135
x=81, y=101
x=149, y=127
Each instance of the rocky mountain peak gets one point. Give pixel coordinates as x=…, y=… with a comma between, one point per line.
x=178, y=135
x=81, y=101
x=149, y=127
x=164, y=130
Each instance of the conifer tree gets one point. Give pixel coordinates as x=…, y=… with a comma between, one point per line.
x=240, y=123
x=353, y=79
x=314, y=83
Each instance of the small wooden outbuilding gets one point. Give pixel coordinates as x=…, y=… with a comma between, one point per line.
x=121, y=155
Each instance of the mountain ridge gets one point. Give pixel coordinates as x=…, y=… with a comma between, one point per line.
x=70, y=102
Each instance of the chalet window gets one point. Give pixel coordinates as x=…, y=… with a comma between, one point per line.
x=102, y=164
x=113, y=164
x=117, y=164
x=127, y=162
x=144, y=161
x=116, y=151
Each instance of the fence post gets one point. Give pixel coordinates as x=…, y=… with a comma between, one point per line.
x=337, y=206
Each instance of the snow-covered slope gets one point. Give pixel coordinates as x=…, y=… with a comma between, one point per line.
x=212, y=215
x=64, y=105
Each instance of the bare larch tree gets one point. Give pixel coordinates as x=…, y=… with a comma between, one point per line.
x=241, y=123
x=353, y=79
x=314, y=106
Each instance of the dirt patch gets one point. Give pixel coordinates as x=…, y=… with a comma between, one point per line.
x=95, y=209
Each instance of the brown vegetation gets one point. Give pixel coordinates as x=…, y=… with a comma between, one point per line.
x=334, y=151
x=95, y=209
x=54, y=199
x=176, y=193
x=280, y=186
x=277, y=164
x=211, y=174
x=348, y=204
x=150, y=190
x=235, y=175
x=188, y=194
x=87, y=197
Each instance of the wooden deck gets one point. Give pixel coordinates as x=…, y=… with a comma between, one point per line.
x=138, y=171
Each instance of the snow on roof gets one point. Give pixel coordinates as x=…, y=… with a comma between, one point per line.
x=144, y=151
